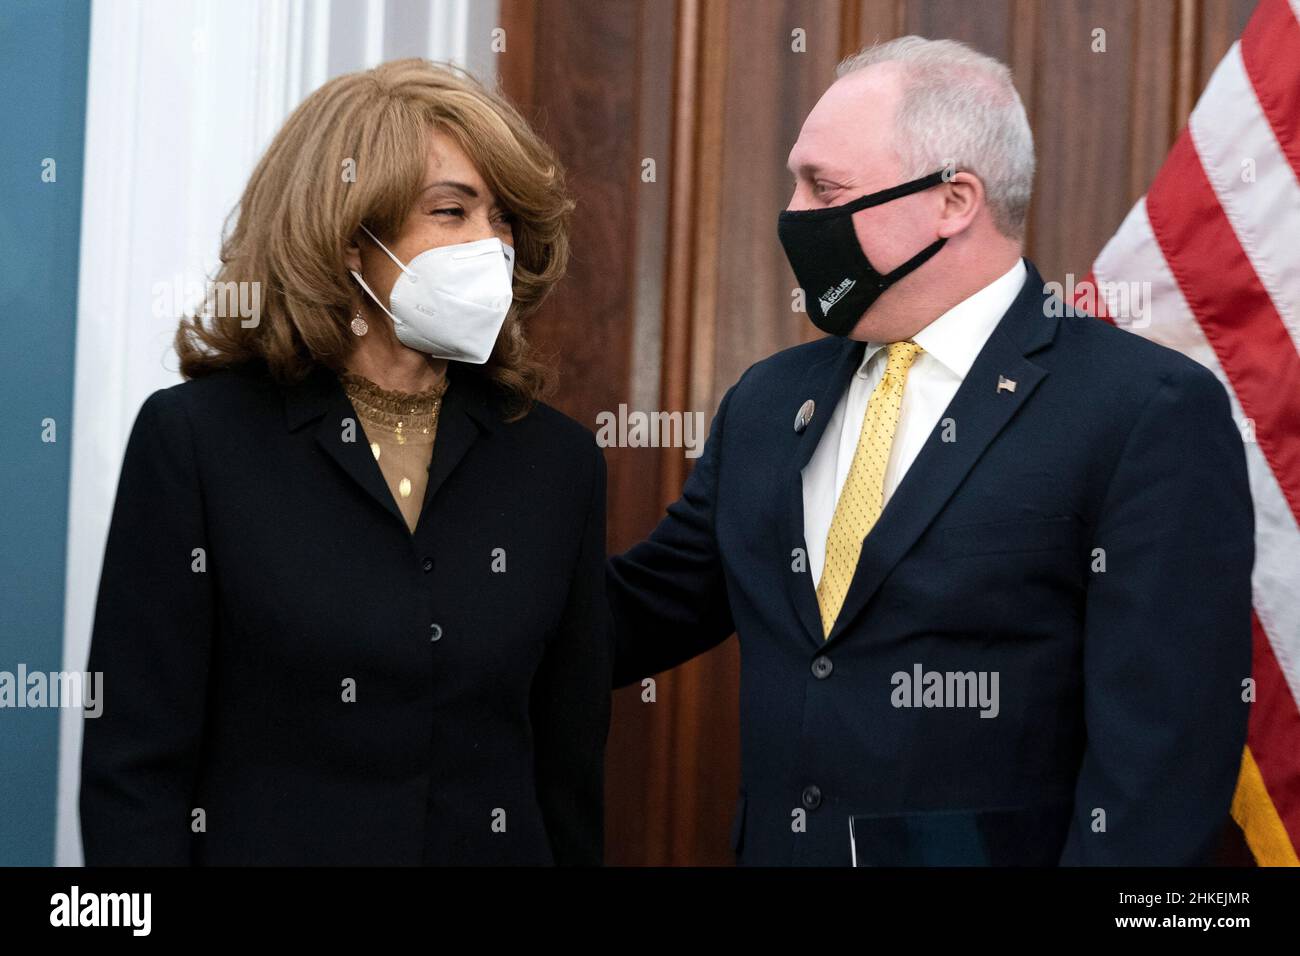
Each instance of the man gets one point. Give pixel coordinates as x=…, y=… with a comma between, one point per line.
x=989, y=565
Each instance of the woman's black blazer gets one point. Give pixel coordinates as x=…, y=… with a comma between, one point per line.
x=292, y=677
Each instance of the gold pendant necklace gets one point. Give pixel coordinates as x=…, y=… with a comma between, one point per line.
x=410, y=419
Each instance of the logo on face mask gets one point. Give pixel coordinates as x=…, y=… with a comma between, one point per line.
x=833, y=295
x=823, y=246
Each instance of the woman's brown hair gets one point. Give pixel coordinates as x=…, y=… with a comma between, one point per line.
x=355, y=151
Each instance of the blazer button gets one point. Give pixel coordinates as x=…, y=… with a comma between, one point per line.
x=435, y=632
x=812, y=796
x=822, y=667
x=427, y=565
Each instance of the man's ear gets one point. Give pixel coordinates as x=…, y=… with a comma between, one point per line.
x=962, y=198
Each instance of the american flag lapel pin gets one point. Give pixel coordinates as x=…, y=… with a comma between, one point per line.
x=1006, y=384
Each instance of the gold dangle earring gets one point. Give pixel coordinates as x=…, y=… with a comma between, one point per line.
x=359, y=326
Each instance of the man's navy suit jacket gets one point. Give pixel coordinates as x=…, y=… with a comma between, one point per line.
x=1088, y=537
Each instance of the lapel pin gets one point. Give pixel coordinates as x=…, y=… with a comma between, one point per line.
x=1006, y=384
x=805, y=416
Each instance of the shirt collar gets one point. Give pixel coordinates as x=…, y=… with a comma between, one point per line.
x=955, y=338
x=469, y=391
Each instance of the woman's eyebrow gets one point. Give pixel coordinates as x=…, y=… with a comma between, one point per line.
x=463, y=188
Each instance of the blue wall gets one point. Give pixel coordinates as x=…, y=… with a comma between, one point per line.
x=43, y=57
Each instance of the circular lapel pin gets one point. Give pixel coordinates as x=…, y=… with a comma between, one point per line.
x=805, y=416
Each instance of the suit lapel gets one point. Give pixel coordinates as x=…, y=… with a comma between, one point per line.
x=825, y=382
x=320, y=396
x=466, y=413
x=979, y=410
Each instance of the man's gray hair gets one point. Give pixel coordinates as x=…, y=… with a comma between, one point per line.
x=960, y=109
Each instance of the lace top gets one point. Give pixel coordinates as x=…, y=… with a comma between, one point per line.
x=400, y=427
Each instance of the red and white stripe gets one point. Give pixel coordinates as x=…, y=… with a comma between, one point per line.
x=1218, y=239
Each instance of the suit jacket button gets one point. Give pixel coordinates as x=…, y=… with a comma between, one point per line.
x=812, y=796
x=435, y=632
x=427, y=565
x=822, y=667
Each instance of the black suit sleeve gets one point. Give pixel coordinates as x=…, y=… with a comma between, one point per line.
x=1167, y=638
x=668, y=595
x=151, y=640
x=570, y=702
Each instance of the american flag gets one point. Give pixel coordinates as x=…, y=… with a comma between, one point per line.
x=1211, y=256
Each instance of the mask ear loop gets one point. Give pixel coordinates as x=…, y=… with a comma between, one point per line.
x=915, y=262
x=357, y=275
x=396, y=261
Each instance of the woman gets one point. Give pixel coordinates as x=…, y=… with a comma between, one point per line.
x=351, y=602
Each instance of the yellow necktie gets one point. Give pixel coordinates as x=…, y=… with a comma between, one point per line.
x=862, y=497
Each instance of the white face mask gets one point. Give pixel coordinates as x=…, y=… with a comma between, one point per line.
x=451, y=301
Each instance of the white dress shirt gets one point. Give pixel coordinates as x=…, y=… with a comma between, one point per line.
x=951, y=343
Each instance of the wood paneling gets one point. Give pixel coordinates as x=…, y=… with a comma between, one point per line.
x=771, y=85
x=679, y=284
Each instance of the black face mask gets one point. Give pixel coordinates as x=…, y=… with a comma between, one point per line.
x=839, y=283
